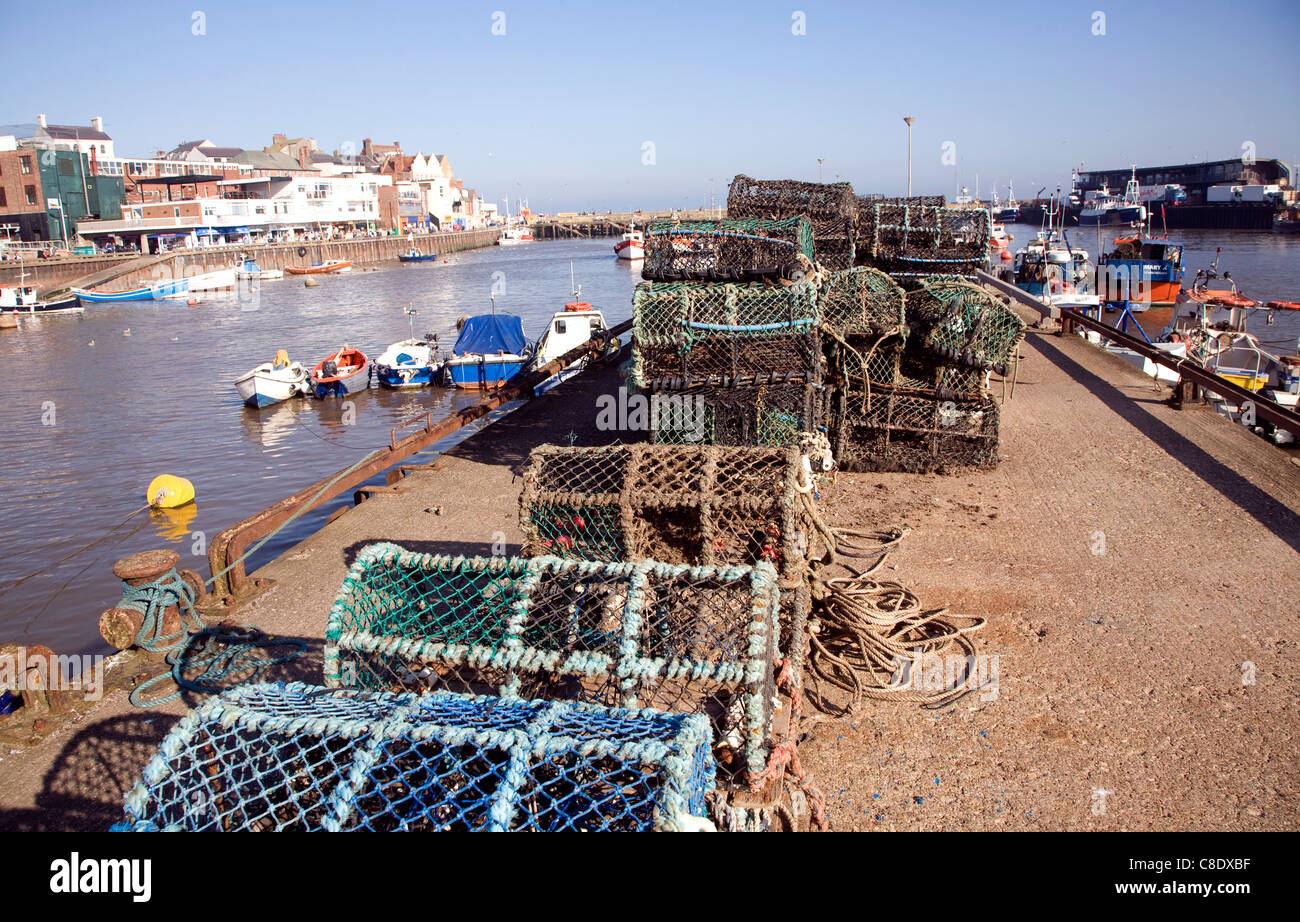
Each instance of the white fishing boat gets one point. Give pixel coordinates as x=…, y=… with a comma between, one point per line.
x=632, y=246
x=578, y=323
x=273, y=382
x=514, y=233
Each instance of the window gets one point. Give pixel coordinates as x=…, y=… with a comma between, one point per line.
x=176, y=212
x=30, y=192
x=26, y=164
x=4, y=199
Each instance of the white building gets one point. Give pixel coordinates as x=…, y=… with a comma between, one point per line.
x=89, y=139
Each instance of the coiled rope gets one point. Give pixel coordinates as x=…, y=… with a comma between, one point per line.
x=869, y=634
x=209, y=661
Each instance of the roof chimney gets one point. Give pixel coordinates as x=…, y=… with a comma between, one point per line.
x=40, y=121
x=97, y=123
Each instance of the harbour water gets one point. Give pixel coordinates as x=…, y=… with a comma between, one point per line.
x=161, y=401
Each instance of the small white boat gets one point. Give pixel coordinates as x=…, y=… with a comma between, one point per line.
x=273, y=382
x=221, y=280
x=251, y=271
x=411, y=362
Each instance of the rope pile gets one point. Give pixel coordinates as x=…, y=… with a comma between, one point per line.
x=869, y=634
x=217, y=658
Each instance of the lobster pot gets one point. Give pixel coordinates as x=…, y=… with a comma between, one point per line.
x=835, y=251
x=771, y=414
x=298, y=757
x=915, y=431
x=861, y=301
x=831, y=208
x=861, y=363
x=717, y=359
x=699, y=505
x=703, y=505
x=727, y=250
x=689, y=333
x=911, y=271
x=867, y=201
x=963, y=324
x=922, y=232
x=697, y=640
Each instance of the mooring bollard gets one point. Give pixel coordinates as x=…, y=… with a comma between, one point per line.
x=158, y=601
x=29, y=673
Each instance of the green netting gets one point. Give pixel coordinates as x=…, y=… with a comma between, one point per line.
x=860, y=300
x=916, y=431
x=922, y=233
x=964, y=324
x=727, y=250
x=860, y=363
x=298, y=757
x=674, y=313
x=697, y=640
x=726, y=360
x=764, y=414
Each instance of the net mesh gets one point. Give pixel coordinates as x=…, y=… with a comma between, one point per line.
x=916, y=431
x=727, y=250
x=861, y=301
x=964, y=324
x=773, y=414
x=696, y=640
x=297, y=757
x=674, y=313
x=698, y=505
x=860, y=363
x=720, y=359
x=831, y=208
x=911, y=239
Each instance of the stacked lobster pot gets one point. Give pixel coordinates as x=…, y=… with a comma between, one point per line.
x=729, y=362
x=831, y=208
x=711, y=508
x=623, y=639
x=914, y=238
x=914, y=396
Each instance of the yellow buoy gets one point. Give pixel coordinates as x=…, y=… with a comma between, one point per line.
x=168, y=492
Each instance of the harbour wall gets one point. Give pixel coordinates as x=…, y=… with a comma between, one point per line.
x=1226, y=216
x=122, y=272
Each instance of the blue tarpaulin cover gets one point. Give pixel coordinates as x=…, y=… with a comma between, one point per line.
x=488, y=334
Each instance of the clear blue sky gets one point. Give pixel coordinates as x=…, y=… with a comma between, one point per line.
x=559, y=107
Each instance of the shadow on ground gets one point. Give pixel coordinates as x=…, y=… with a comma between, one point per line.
x=84, y=788
x=1268, y=511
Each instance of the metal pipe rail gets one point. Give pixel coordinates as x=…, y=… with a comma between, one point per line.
x=225, y=553
x=1264, y=408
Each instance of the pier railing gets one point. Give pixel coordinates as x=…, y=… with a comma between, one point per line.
x=1264, y=408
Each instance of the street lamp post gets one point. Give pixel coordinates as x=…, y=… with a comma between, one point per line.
x=909, y=119
x=819, y=168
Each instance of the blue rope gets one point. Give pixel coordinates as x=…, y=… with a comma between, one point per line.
x=218, y=653
x=152, y=600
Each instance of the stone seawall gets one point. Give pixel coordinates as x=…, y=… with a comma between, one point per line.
x=133, y=270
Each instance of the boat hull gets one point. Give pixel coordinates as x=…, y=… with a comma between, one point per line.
x=354, y=383
x=629, y=249
x=324, y=269
x=264, y=385
x=398, y=377
x=422, y=258
x=482, y=372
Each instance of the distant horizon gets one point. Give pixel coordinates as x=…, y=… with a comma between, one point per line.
x=755, y=88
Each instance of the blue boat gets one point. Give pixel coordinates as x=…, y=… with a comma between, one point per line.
x=176, y=289
x=415, y=256
x=490, y=350
x=411, y=362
